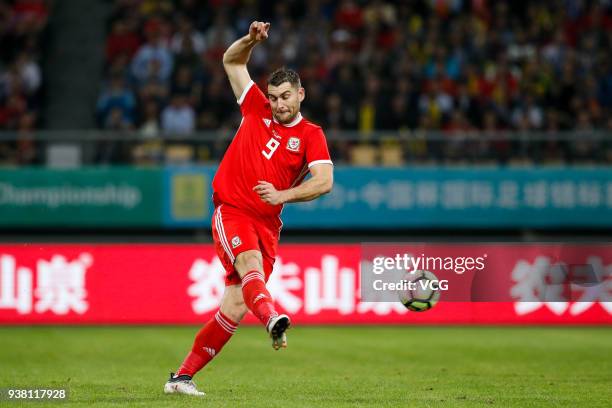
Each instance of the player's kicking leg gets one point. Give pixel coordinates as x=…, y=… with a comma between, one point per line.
x=208, y=342
x=249, y=265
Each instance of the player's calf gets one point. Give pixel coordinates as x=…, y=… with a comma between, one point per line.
x=256, y=296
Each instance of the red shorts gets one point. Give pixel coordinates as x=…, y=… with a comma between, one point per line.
x=235, y=231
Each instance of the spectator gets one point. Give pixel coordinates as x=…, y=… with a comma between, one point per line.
x=219, y=36
x=187, y=56
x=186, y=32
x=154, y=53
x=150, y=124
x=435, y=103
x=10, y=114
x=186, y=85
x=218, y=102
x=116, y=95
x=117, y=120
x=178, y=117
x=121, y=41
x=29, y=73
x=154, y=87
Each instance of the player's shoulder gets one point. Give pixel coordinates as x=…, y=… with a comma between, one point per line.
x=310, y=127
x=253, y=100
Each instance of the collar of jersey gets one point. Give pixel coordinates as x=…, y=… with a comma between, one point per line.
x=294, y=122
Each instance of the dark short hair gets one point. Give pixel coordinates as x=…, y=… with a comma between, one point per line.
x=283, y=75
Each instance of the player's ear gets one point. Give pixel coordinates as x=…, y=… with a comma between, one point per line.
x=301, y=94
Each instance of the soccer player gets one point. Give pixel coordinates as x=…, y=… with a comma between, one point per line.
x=262, y=169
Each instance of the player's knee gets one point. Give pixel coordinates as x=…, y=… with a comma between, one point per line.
x=248, y=261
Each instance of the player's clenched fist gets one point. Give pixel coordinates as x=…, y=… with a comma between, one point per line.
x=258, y=31
x=268, y=193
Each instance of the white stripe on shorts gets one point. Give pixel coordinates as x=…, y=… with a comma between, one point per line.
x=222, y=237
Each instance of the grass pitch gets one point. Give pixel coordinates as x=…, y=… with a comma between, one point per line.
x=323, y=366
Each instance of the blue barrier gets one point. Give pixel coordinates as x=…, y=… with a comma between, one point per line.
x=440, y=197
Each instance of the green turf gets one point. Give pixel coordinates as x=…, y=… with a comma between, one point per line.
x=323, y=366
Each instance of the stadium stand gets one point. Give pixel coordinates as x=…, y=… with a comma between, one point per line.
x=446, y=65
x=451, y=66
x=22, y=24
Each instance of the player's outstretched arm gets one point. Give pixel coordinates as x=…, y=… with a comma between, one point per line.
x=237, y=55
x=320, y=183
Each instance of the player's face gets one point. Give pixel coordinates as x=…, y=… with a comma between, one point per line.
x=285, y=101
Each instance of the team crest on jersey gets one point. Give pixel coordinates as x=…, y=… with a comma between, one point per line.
x=267, y=122
x=236, y=241
x=293, y=144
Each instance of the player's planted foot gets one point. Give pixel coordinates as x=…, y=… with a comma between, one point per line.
x=181, y=384
x=277, y=327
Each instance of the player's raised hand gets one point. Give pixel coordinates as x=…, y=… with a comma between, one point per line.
x=258, y=31
x=268, y=193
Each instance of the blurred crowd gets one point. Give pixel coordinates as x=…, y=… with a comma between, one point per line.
x=448, y=65
x=22, y=25
x=438, y=64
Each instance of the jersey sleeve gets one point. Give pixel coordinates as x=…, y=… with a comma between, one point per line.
x=252, y=100
x=316, y=149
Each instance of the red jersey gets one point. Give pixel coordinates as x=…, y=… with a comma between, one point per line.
x=264, y=149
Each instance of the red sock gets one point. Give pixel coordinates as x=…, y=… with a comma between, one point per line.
x=256, y=296
x=208, y=343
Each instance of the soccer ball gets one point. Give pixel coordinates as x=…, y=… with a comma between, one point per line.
x=418, y=294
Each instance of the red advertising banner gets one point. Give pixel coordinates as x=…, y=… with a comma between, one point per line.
x=314, y=284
